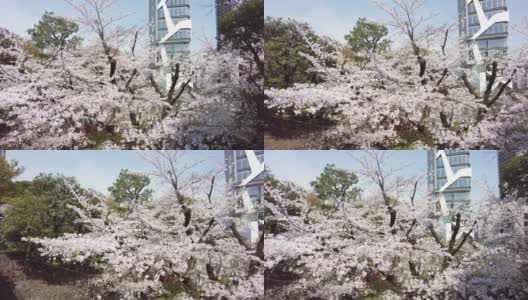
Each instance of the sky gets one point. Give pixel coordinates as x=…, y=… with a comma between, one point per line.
x=336, y=18
x=18, y=16
x=302, y=167
x=99, y=169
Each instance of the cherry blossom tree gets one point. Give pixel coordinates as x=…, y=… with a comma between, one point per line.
x=418, y=95
x=105, y=93
x=374, y=248
x=179, y=244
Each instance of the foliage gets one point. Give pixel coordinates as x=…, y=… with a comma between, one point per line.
x=336, y=185
x=284, y=65
x=8, y=172
x=367, y=39
x=515, y=176
x=130, y=187
x=242, y=28
x=43, y=210
x=54, y=32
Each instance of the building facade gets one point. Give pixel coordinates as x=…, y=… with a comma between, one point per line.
x=245, y=172
x=245, y=176
x=450, y=183
x=170, y=30
x=170, y=27
x=484, y=29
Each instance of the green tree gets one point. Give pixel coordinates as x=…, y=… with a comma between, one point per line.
x=8, y=172
x=283, y=44
x=515, y=176
x=42, y=210
x=130, y=188
x=367, y=39
x=336, y=185
x=243, y=29
x=54, y=32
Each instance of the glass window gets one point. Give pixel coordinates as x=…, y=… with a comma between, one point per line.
x=500, y=43
x=439, y=162
x=461, y=183
x=243, y=164
x=473, y=29
x=440, y=173
x=243, y=175
x=458, y=159
x=471, y=7
x=440, y=183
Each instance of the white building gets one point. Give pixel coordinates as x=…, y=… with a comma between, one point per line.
x=484, y=29
x=450, y=182
x=245, y=172
x=170, y=29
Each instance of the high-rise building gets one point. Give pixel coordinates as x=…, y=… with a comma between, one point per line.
x=170, y=26
x=245, y=172
x=450, y=176
x=170, y=29
x=222, y=8
x=245, y=176
x=484, y=29
x=450, y=182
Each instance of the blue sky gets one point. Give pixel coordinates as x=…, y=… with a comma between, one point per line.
x=99, y=169
x=301, y=167
x=336, y=18
x=18, y=16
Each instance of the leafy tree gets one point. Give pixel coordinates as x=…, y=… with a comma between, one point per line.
x=243, y=29
x=336, y=184
x=367, y=39
x=43, y=210
x=54, y=32
x=130, y=188
x=8, y=171
x=515, y=176
x=284, y=63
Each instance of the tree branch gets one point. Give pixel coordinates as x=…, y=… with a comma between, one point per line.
x=455, y=233
x=445, y=42
x=239, y=237
x=134, y=44
x=469, y=86
x=211, y=189
x=260, y=246
x=464, y=238
x=206, y=231
x=435, y=235
x=491, y=82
